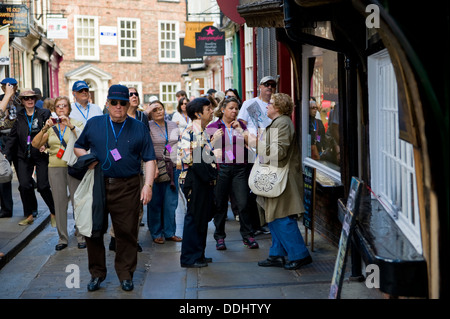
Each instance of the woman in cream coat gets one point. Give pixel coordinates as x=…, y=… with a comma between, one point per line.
x=278, y=144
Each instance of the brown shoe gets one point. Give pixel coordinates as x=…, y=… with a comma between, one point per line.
x=174, y=238
x=158, y=240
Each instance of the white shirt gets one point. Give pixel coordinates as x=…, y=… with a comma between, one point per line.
x=83, y=114
x=182, y=123
x=254, y=112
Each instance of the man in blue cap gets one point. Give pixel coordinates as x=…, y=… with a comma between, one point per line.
x=9, y=104
x=82, y=109
x=119, y=143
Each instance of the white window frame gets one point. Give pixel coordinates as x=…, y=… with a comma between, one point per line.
x=248, y=47
x=393, y=176
x=137, y=85
x=177, y=87
x=137, y=58
x=228, y=63
x=96, y=55
x=175, y=59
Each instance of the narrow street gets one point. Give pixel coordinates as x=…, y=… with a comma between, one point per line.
x=40, y=272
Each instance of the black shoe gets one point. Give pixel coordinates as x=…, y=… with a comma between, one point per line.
x=127, y=285
x=272, y=261
x=81, y=245
x=35, y=214
x=4, y=215
x=60, y=247
x=94, y=284
x=296, y=264
x=112, y=244
x=139, y=248
x=206, y=260
x=197, y=264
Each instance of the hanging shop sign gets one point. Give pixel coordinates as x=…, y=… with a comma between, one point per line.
x=192, y=27
x=17, y=18
x=187, y=54
x=57, y=28
x=209, y=42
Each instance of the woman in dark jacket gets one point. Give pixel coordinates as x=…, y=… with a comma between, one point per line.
x=29, y=122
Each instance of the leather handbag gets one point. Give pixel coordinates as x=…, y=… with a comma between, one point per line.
x=163, y=175
x=268, y=180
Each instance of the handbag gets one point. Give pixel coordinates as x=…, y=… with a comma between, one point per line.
x=6, y=173
x=268, y=180
x=163, y=175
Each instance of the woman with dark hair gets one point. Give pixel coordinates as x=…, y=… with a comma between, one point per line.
x=30, y=121
x=197, y=179
x=180, y=116
x=233, y=93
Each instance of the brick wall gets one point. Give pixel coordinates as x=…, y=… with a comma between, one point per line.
x=149, y=70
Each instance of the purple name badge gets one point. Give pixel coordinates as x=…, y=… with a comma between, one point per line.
x=115, y=154
x=169, y=148
x=28, y=139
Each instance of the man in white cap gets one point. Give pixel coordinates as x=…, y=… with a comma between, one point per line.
x=82, y=110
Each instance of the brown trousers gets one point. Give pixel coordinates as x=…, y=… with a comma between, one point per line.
x=122, y=202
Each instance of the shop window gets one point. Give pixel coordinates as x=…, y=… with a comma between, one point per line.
x=129, y=40
x=393, y=177
x=323, y=123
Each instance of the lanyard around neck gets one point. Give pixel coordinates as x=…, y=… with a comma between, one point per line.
x=61, y=136
x=88, y=107
x=30, y=123
x=116, y=137
x=229, y=132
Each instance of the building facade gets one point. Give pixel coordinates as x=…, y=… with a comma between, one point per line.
x=134, y=43
x=383, y=103
x=34, y=59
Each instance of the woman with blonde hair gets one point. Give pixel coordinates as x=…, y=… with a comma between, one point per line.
x=60, y=133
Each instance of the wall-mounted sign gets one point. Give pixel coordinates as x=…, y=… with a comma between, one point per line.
x=192, y=27
x=210, y=41
x=17, y=18
x=57, y=28
x=108, y=35
x=187, y=54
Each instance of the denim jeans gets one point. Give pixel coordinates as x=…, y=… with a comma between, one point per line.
x=287, y=239
x=161, y=209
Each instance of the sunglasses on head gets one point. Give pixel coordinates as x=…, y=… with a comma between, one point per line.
x=115, y=102
x=134, y=93
x=272, y=85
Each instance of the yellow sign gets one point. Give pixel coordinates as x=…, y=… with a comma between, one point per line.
x=191, y=28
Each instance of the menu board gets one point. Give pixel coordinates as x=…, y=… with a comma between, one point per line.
x=17, y=18
x=309, y=194
x=348, y=224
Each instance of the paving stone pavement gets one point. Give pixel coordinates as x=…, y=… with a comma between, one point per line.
x=39, y=272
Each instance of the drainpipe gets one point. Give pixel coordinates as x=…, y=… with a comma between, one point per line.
x=34, y=59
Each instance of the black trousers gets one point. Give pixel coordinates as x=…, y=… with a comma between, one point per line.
x=25, y=170
x=232, y=179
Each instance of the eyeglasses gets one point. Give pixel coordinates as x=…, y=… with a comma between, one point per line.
x=61, y=106
x=134, y=93
x=83, y=90
x=26, y=98
x=313, y=107
x=115, y=102
x=272, y=85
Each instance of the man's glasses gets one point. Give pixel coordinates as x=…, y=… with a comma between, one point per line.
x=134, y=93
x=272, y=85
x=83, y=90
x=26, y=98
x=115, y=102
x=313, y=107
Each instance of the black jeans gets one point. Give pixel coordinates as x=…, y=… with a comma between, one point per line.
x=232, y=178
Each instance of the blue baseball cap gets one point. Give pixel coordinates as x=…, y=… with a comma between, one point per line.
x=79, y=85
x=11, y=81
x=118, y=92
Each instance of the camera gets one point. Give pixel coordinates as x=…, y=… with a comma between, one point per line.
x=56, y=120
